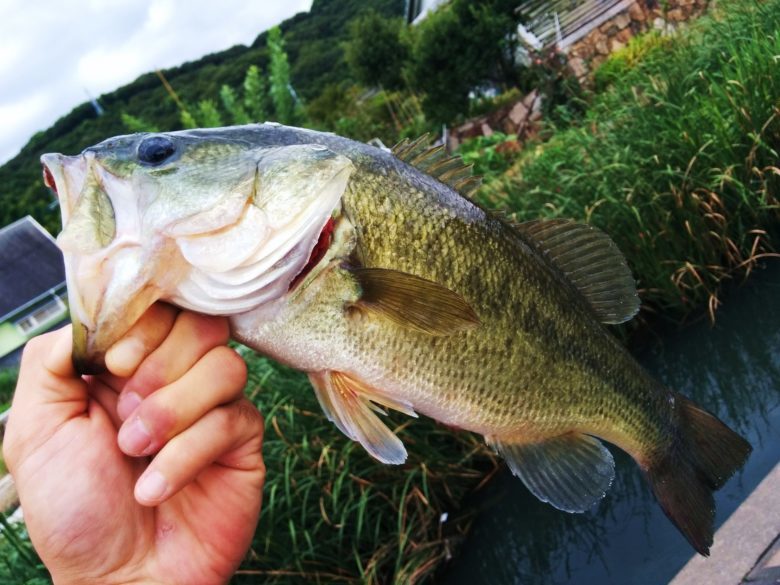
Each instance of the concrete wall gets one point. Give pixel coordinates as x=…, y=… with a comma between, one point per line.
x=12, y=337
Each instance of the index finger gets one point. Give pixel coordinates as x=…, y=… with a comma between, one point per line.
x=124, y=357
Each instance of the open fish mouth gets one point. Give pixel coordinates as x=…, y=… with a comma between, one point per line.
x=127, y=242
x=112, y=277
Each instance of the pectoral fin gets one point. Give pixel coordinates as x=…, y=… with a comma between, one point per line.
x=352, y=406
x=413, y=302
x=572, y=471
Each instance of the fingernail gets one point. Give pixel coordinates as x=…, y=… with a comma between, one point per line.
x=128, y=402
x=134, y=438
x=151, y=487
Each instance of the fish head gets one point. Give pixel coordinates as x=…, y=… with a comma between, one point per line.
x=202, y=220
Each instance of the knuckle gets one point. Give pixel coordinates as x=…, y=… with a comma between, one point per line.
x=226, y=421
x=160, y=419
x=149, y=376
x=249, y=413
x=208, y=328
x=37, y=346
x=230, y=365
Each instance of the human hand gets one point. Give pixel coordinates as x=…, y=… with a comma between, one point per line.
x=106, y=503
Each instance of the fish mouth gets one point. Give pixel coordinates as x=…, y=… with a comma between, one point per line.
x=109, y=286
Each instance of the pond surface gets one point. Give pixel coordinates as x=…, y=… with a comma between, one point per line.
x=732, y=369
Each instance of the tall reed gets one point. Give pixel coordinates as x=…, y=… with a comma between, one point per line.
x=677, y=160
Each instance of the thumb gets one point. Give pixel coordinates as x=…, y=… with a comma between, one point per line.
x=48, y=393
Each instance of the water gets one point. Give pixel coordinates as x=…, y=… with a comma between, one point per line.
x=733, y=370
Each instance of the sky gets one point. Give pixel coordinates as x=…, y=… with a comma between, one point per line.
x=54, y=54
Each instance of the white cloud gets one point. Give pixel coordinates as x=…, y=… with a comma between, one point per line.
x=52, y=52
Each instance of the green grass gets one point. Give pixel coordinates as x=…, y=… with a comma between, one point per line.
x=8, y=378
x=677, y=159
x=20, y=564
x=332, y=514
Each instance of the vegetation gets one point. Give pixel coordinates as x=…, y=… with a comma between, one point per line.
x=465, y=48
x=491, y=156
x=7, y=384
x=676, y=159
x=20, y=564
x=329, y=508
x=378, y=50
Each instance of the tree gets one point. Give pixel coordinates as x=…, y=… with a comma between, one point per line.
x=463, y=47
x=378, y=50
x=256, y=94
x=279, y=74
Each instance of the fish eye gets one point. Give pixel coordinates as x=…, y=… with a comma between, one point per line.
x=155, y=150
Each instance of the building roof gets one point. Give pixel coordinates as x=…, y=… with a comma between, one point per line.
x=30, y=264
x=417, y=10
x=564, y=22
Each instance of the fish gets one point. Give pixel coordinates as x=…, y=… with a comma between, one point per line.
x=377, y=274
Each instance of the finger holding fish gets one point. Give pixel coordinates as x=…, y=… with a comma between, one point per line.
x=230, y=435
x=165, y=362
x=151, y=329
x=215, y=379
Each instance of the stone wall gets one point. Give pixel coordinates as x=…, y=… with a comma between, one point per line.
x=520, y=119
x=640, y=16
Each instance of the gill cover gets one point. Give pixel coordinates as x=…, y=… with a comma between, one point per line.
x=209, y=224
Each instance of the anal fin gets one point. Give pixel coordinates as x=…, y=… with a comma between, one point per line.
x=352, y=406
x=572, y=471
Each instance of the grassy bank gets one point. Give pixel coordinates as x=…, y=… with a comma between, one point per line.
x=677, y=157
x=7, y=383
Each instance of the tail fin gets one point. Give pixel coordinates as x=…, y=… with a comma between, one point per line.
x=704, y=456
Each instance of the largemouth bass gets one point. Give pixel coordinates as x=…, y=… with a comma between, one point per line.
x=372, y=272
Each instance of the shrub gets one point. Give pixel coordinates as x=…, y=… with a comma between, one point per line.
x=677, y=160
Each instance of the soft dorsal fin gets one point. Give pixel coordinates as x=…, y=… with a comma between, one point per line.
x=591, y=261
x=413, y=302
x=572, y=471
x=433, y=160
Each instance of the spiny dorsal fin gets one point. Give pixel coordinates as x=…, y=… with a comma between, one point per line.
x=592, y=263
x=413, y=302
x=433, y=160
x=572, y=471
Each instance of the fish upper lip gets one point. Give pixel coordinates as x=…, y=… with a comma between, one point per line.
x=52, y=171
x=48, y=179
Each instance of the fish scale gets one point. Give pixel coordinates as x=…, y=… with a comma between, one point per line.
x=495, y=399
x=416, y=300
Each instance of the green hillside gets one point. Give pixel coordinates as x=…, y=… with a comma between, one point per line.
x=314, y=43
